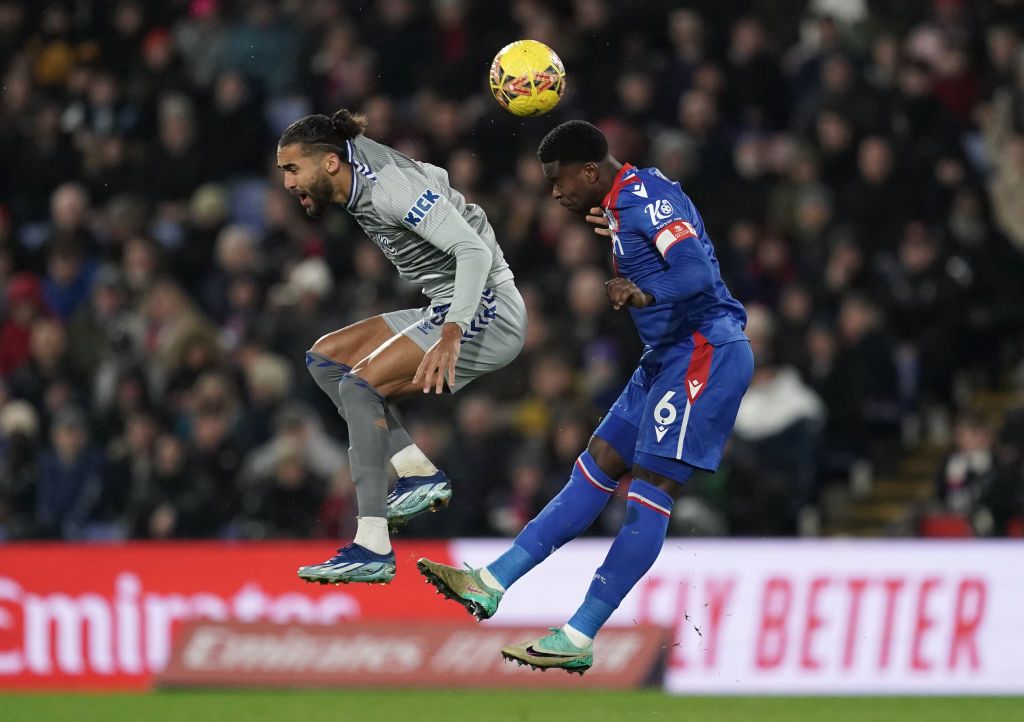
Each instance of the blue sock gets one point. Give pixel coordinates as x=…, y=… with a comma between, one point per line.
x=564, y=518
x=632, y=553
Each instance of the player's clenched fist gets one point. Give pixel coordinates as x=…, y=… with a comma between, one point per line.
x=623, y=292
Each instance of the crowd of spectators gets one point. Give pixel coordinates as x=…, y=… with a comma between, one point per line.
x=861, y=175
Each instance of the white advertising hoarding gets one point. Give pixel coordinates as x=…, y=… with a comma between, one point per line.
x=814, y=617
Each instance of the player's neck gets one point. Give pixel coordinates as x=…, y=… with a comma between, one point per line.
x=609, y=168
x=342, y=182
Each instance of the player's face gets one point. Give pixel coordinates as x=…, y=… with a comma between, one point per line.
x=305, y=178
x=573, y=185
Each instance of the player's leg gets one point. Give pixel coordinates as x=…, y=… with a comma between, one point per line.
x=386, y=372
x=566, y=516
x=634, y=550
x=593, y=480
x=420, y=486
x=690, y=412
x=333, y=356
x=495, y=337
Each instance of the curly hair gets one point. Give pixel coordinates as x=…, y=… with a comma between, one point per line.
x=574, y=141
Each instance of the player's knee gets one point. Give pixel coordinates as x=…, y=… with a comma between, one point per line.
x=329, y=346
x=325, y=370
x=351, y=387
x=606, y=457
x=670, y=477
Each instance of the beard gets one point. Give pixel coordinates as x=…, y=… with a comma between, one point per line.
x=320, y=193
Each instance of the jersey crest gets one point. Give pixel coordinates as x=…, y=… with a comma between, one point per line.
x=384, y=244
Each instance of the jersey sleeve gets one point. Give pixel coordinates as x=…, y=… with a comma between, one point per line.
x=663, y=221
x=411, y=199
x=676, y=231
x=423, y=209
x=661, y=217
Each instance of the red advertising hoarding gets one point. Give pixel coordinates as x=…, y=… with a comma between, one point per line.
x=395, y=654
x=103, y=616
x=747, y=616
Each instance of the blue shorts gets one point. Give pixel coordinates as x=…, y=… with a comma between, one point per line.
x=677, y=413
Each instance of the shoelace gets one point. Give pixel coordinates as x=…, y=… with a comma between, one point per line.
x=401, y=487
x=550, y=629
x=340, y=551
x=478, y=580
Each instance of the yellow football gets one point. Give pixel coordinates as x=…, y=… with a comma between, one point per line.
x=527, y=78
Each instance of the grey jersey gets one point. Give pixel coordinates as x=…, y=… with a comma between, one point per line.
x=400, y=203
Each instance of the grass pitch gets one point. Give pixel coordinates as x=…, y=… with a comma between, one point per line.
x=497, y=706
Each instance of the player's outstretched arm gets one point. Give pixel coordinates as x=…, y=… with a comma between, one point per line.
x=597, y=219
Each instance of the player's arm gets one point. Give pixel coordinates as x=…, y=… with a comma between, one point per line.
x=473, y=260
x=689, y=269
x=412, y=199
x=621, y=291
x=429, y=214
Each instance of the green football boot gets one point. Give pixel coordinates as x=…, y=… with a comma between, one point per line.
x=463, y=586
x=551, y=651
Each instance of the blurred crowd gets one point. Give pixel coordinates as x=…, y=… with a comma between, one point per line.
x=862, y=176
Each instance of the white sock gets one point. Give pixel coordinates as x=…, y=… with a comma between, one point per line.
x=490, y=580
x=577, y=637
x=372, y=533
x=410, y=461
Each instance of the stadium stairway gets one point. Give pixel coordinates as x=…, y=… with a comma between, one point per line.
x=893, y=504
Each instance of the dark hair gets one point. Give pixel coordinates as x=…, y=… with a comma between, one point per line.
x=574, y=141
x=322, y=132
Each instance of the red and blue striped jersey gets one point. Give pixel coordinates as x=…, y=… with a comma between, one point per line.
x=660, y=244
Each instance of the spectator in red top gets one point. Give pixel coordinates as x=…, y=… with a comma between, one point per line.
x=24, y=305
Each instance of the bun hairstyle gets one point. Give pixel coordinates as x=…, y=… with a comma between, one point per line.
x=323, y=133
x=348, y=124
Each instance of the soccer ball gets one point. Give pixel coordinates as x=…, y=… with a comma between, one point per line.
x=527, y=78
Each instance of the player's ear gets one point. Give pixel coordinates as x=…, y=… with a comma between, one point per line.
x=332, y=163
x=591, y=171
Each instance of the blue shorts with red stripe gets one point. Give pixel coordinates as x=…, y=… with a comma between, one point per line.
x=676, y=413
